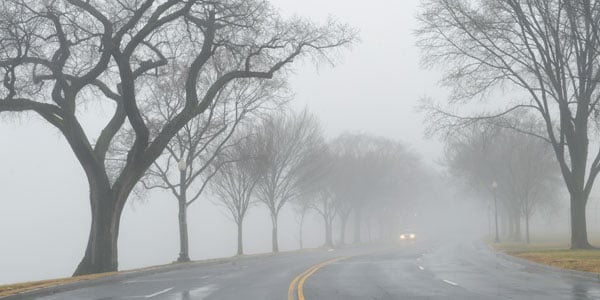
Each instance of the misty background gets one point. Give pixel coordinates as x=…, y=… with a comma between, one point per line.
x=44, y=209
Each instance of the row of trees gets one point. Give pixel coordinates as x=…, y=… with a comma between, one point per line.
x=286, y=160
x=191, y=92
x=160, y=68
x=283, y=159
x=512, y=172
x=541, y=57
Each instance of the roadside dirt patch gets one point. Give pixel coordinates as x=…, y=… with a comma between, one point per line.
x=12, y=289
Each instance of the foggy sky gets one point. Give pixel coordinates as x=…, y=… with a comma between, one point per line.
x=44, y=208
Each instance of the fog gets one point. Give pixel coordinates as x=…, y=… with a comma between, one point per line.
x=374, y=89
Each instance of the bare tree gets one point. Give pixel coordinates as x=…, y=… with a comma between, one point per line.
x=301, y=210
x=56, y=57
x=235, y=179
x=522, y=166
x=372, y=177
x=284, y=141
x=315, y=188
x=544, y=55
x=533, y=176
x=187, y=165
x=359, y=153
x=324, y=205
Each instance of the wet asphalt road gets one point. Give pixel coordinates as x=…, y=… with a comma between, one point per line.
x=450, y=270
x=455, y=269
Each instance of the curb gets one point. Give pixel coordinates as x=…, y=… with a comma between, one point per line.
x=128, y=274
x=546, y=268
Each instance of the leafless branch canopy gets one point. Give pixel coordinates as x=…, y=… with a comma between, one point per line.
x=543, y=56
x=57, y=57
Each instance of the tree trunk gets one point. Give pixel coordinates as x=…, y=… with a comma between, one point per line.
x=300, y=240
x=357, y=227
x=183, y=232
x=101, y=252
x=328, y=233
x=274, y=234
x=107, y=204
x=343, y=230
x=579, y=238
x=184, y=255
x=511, y=226
x=577, y=181
x=527, y=228
x=517, y=227
x=369, y=234
x=240, y=242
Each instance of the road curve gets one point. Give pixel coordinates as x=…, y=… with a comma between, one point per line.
x=454, y=269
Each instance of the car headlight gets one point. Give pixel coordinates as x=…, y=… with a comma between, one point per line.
x=412, y=236
x=402, y=236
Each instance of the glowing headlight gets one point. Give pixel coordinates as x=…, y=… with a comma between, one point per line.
x=402, y=236
x=412, y=236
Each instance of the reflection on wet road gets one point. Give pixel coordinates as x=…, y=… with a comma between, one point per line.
x=453, y=269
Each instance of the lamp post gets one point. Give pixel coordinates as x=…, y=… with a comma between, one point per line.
x=183, y=234
x=494, y=187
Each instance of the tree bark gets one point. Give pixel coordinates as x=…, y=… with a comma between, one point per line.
x=240, y=242
x=328, y=233
x=579, y=238
x=101, y=251
x=184, y=255
x=183, y=232
x=274, y=234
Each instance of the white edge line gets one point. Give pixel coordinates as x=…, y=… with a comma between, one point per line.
x=158, y=293
x=450, y=282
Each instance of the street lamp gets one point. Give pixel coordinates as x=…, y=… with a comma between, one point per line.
x=181, y=165
x=494, y=187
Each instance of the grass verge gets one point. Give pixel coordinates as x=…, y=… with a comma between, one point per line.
x=12, y=289
x=554, y=253
x=579, y=260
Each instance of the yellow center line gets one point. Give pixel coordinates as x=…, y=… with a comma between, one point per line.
x=301, y=284
x=293, y=284
x=300, y=279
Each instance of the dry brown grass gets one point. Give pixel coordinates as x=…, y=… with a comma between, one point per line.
x=12, y=289
x=580, y=260
x=555, y=252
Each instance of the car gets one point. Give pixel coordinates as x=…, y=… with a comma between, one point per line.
x=408, y=235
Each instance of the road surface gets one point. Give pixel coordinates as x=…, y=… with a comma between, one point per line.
x=454, y=269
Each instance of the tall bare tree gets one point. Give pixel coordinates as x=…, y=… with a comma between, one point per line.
x=284, y=142
x=374, y=178
x=523, y=167
x=187, y=165
x=544, y=55
x=315, y=188
x=301, y=211
x=56, y=57
x=235, y=179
